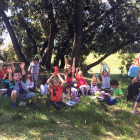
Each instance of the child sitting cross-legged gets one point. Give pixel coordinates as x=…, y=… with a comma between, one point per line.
x=57, y=89
x=20, y=92
x=117, y=93
x=66, y=97
x=81, y=82
x=44, y=88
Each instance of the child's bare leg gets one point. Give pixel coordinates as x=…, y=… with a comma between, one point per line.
x=136, y=106
x=14, y=96
x=88, y=87
x=82, y=89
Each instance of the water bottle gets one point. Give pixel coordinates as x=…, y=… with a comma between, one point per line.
x=104, y=67
x=56, y=71
x=37, y=54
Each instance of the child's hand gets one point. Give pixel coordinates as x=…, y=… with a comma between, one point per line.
x=66, y=60
x=76, y=69
x=9, y=69
x=11, y=61
x=22, y=65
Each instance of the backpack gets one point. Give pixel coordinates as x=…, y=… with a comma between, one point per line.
x=133, y=71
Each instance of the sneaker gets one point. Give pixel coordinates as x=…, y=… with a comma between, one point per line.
x=133, y=112
x=14, y=105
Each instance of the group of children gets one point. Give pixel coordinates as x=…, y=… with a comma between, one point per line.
x=20, y=85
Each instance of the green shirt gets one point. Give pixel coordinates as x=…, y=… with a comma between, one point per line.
x=117, y=92
x=64, y=96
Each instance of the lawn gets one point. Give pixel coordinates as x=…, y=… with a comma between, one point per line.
x=88, y=120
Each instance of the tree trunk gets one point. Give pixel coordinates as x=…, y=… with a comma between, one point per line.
x=49, y=49
x=78, y=33
x=62, y=62
x=13, y=38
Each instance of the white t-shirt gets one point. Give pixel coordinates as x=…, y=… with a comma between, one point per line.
x=44, y=89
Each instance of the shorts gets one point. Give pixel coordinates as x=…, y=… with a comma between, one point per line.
x=25, y=97
x=34, y=76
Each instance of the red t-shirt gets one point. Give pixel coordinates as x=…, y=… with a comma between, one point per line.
x=80, y=81
x=1, y=74
x=56, y=93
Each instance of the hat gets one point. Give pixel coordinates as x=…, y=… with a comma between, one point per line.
x=35, y=58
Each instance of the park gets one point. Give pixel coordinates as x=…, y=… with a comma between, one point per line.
x=86, y=33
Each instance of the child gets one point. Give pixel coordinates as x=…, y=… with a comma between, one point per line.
x=81, y=82
x=44, y=88
x=117, y=93
x=29, y=82
x=2, y=70
x=7, y=82
x=66, y=97
x=34, y=68
x=57, y=89
x=21, y=92
x=69, y=72
x=105, y=77
x=95, y=80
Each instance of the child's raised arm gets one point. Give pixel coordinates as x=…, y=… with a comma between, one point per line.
x=12, y=63
x=9, y=70
x=98, y=80
x=108, y=69
x=73, y=65
x=48, y=81
x=101, y=70
x=66, y=63
x=63, y=82
x=22, y=65
x=76, y=74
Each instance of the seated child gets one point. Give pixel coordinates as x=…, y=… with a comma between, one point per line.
x=29, y=82
x=21, y=92
x=95, y=80
x=66, y=97
x=81, y=82
x=74, y=95
x=117, y=93
x=57, y=89
x=44, y=88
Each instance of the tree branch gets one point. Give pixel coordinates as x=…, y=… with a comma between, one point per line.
x=111, y=52
x=100, y=18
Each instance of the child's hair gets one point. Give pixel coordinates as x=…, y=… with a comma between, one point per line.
x=66, y=86
x=28, y=72
x=114, y=82
x=80, y=72
x=57, y=79
x=103, y=72
x=69, y=74
x=44, y=80
x=17, y=71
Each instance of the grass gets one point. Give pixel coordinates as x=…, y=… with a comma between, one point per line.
x=88, y=120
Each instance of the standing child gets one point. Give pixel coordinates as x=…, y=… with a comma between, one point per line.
x=29, y=82
x=57, y=89
x=21, y=92
x=34, y=69
x=105, y=76
x=44, y=88
x=81, y=82
x=117, y=93
x=66, y=97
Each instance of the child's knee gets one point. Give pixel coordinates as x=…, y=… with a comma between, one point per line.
x=14, y=92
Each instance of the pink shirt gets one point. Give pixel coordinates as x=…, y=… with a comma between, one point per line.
x=80, y=81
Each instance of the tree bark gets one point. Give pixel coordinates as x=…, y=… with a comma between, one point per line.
x=49, y=49
x=13, y=38
x=78, y=33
